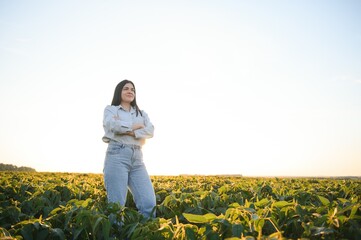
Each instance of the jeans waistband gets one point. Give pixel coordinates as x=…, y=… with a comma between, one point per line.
x=134, y=146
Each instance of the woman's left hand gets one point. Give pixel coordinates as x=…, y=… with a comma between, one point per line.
x=138, y=126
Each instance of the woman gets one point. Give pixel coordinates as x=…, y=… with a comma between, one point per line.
x=126, y=128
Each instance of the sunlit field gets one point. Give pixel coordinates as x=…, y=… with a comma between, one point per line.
x=74, y=206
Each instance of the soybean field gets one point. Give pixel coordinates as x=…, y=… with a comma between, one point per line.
x=73, y=206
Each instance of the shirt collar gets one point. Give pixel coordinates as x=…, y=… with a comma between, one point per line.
x=132, y=109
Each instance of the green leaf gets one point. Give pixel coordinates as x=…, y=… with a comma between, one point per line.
x=251, y=210
x=42, y=234
x=190, y=234
x=56, y=210
x=237, y=230
x=95, y=225
x=77, y=233
x=57, y=233
x=262, y=203
x=86, y=202
x=26, y=232
x=106, y=229
x=234, y=205
x=276, y=235
x=254, y=217
x=193, y=218
x=281, y=204
x=343, y=200
x=210, y=216
x=259, y=224
x=323, y=200
x=353, y=211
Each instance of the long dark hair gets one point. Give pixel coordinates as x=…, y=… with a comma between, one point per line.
x=118, y=92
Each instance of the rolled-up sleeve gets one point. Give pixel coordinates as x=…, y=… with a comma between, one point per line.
x=111, y=124
x=147, y=131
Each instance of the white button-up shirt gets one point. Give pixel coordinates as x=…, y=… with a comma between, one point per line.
x=117, y=121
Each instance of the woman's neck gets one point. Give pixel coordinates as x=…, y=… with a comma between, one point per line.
x=126, y=106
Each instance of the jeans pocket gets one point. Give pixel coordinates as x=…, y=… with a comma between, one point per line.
x=114, y=149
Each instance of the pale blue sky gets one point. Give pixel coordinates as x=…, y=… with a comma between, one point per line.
x=259, y=88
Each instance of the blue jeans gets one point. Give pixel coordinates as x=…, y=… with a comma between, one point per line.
x=124, y=168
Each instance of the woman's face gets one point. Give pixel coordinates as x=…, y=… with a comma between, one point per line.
x=128, y=93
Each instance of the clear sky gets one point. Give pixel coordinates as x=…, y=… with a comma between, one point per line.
x=258, y=88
